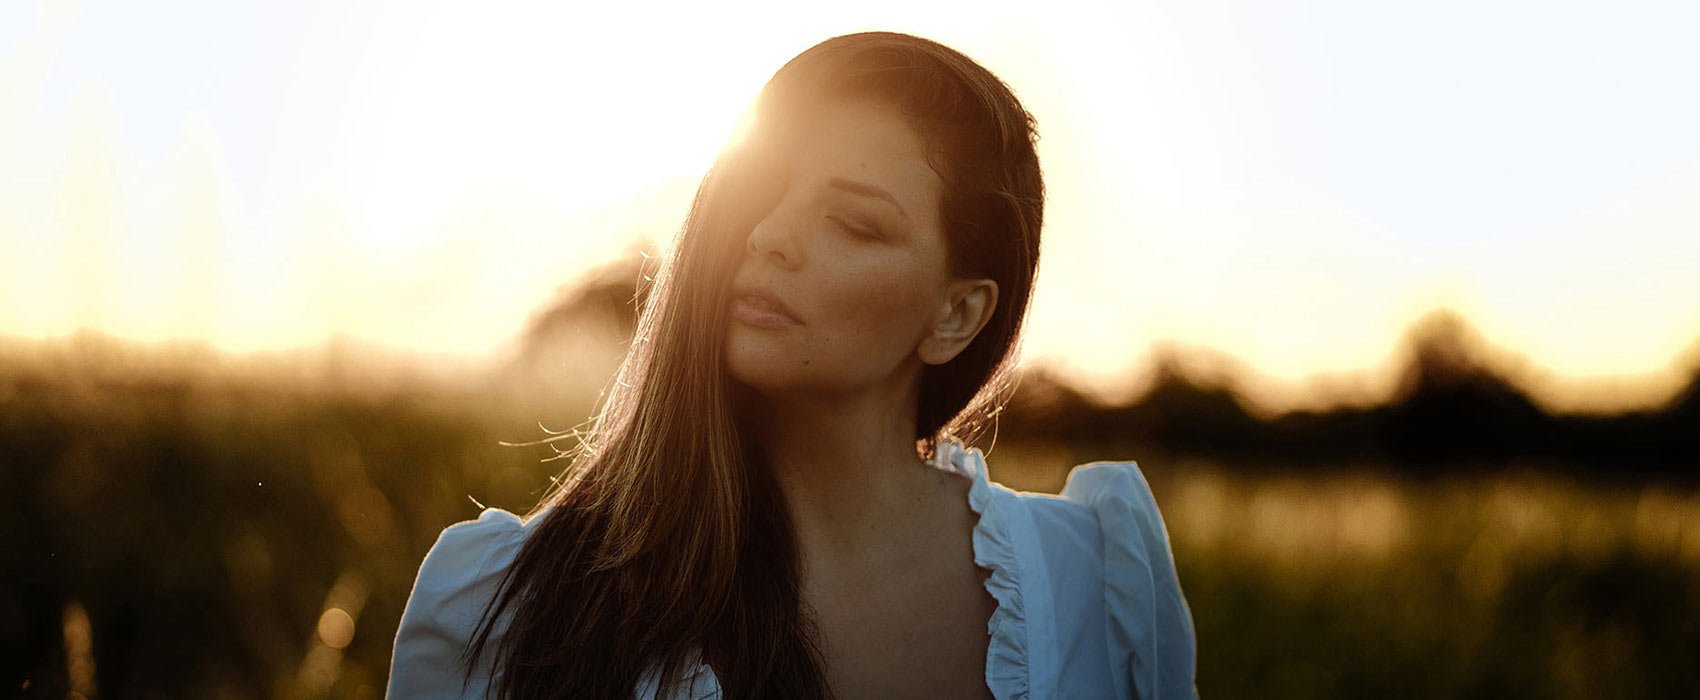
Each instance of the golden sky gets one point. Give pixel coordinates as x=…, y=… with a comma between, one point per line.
x=1287, y=183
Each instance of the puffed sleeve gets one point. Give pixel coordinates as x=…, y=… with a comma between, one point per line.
x=457, y=578
x=1151, y=632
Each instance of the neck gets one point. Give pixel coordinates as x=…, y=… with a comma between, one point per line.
x=847, y=468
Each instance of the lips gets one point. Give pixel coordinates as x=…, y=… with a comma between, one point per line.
x=766, y=300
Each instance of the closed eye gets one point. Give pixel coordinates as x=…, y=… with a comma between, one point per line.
x=855, y=231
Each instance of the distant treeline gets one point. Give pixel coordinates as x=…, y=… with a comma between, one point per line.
x=1451, y=411
x=1448, y=414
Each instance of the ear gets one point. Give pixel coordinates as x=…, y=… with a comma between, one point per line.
x=967, y=307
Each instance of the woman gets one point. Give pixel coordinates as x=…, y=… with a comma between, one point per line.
x=775, y=501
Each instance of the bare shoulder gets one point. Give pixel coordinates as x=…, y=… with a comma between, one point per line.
x=950, y=496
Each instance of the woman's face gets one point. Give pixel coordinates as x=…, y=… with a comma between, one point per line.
x=855, y=248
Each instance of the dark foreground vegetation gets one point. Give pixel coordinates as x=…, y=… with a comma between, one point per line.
x=178, y=525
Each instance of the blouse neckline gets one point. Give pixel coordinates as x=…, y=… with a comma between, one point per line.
x=1005, y=541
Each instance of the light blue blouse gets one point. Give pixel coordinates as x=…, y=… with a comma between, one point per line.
x=1089, y=605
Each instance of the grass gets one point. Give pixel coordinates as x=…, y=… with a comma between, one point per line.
x=234, y=536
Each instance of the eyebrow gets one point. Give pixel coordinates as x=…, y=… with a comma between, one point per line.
x=866, y=190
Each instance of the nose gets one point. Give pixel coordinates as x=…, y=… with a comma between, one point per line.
x=772, y=238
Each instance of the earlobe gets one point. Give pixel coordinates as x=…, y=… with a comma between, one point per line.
x=968, y=307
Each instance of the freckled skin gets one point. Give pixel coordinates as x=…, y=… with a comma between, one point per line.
x=865, y=304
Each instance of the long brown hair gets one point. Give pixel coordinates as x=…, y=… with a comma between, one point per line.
x=666, y=534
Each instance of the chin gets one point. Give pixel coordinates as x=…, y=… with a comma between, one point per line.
x=750, y=361
x=758, y=373
x=767, y=369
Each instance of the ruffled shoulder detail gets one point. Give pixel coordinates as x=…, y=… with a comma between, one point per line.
x=699, y=682
x=456, y=580
x=1151, y=631
x=1004, y=541
x=458, y=577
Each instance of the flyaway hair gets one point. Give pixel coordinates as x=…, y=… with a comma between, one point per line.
x=667, y=532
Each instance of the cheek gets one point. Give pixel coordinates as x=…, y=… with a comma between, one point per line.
x=876, y=313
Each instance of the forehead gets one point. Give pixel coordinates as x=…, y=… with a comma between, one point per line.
x=872, y=142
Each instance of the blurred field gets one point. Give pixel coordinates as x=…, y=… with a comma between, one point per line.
x=177, y=525
x=1526, y=585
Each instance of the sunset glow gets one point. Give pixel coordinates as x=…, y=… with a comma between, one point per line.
x=1289, y=185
